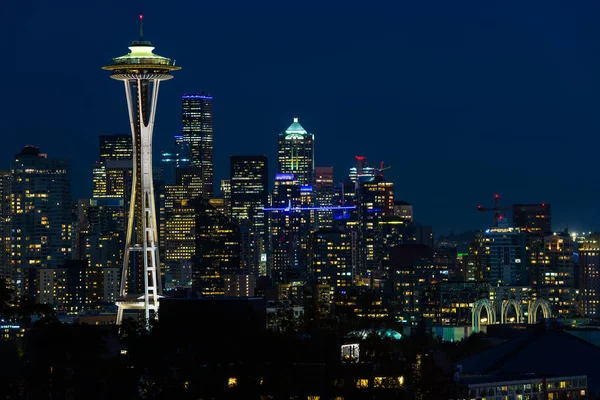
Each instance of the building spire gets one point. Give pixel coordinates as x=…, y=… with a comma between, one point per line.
x=141, y=28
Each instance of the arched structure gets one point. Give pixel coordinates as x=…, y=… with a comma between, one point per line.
x=476, y=313
x=533, y=308
x=504, y=312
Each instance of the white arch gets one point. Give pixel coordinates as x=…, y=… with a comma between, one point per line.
x=518, y=309
x=533, y=308
x=476, y=314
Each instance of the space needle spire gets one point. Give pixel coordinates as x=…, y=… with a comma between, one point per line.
x=141, y=72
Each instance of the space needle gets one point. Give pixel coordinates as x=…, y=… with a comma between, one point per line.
x=141, y=71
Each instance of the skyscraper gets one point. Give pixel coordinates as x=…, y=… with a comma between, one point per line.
x=175, y=157
x=113, y=174
x=331, y=257
x=506, y=255
x=197, y=129
x=324, y=189
x=41, y=212
x=249, y=189
x=296, y=154
x=141, y=72
x=217, y=250
x=589, y=277
x=249, y=196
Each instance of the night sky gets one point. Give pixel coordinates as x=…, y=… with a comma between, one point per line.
x=463, y=99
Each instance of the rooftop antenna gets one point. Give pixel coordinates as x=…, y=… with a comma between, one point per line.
x=141, y=28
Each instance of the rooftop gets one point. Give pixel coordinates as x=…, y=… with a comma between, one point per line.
x=295, y=131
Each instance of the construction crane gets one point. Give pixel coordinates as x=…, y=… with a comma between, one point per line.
x=381, y=168
x=498, y=211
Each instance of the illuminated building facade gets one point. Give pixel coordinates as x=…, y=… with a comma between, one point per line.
x=249, y=196
x=5, y=227
x=296, y=154
x=375, y=201
x=226, y=196
x=412, y=274
x=197, y=129
x=533, y=218
x=240, y=285
x=324, y=190
x=506, y=255
x=451, y=303
x=175, y=157
x=249, y=190
x=403, y=210
x=284, y=224
x=589, y=276
x=552, y=272
x=177, y=232
x=104, y=238
x=331, y=258
x=112, y=175
x=41, y=212
x=217, y=250
x=362, y=172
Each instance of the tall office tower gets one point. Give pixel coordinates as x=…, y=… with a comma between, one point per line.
x=331, y=258
x=475, y=264
x=249, y=197
x=284, y=223
x=5, y=224
x=324, y=189
x=589, y=277
x=296, y=154
x=197, y=132
x=533, y=218
x=375, y=201
x=177, y=232
x=217, y=250
x=141, y=72
x=555, y=274
x=104, y=239
x=506, y=255
x=41, y=212
x=171, y=159
x=403, y=210
x=112, y=175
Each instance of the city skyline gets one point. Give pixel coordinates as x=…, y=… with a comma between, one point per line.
x=498, y=137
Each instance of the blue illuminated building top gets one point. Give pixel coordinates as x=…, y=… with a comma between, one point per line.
x=196, y=96
x=284, y=177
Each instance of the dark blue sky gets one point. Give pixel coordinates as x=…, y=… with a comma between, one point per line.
x=463, y=99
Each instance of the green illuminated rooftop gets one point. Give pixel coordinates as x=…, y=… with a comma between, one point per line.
x=295, y=131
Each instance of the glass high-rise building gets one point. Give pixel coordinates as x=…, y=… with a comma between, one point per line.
x=249, y=190
x=41, y=212
x=296, y=154
x=112, y=175
x=248, y=197
x=197, y=130
x=175, y=157
x=324, y=189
